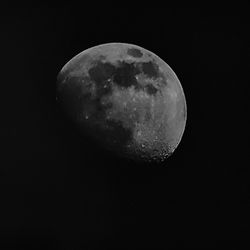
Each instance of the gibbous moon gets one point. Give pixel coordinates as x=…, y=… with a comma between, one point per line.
x=126, y=98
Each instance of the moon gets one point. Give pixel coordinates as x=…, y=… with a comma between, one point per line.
x=126, y=98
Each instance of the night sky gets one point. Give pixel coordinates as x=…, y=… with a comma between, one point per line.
x=60, y=191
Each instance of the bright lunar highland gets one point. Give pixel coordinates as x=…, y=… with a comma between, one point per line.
x=126, y=98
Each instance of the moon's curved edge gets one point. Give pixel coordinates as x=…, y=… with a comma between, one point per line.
x=117, y=49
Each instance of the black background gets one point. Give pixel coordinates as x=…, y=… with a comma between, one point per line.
x=59, y=191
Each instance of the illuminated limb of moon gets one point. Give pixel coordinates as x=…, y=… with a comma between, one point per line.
x=151, y=103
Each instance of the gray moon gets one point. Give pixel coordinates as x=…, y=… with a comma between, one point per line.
x=126, y=98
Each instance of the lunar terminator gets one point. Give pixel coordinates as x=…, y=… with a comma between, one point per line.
x=127, y=98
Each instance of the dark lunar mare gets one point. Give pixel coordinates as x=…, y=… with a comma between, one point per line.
x=134, y=52
x=100, y=72
x=123, y=75
x=76, y=96
x=150, y=69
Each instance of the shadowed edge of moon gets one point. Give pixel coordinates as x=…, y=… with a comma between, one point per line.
x=107, y=50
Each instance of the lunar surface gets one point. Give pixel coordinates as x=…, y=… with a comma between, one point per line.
x=126, y=98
